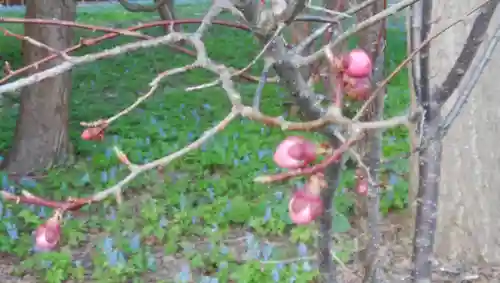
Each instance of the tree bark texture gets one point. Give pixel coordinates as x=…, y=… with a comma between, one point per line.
x=41, y=136
x=468, y=228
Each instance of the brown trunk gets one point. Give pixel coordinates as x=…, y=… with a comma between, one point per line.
x=167, y=13
x=41, y=138
x=468, y=226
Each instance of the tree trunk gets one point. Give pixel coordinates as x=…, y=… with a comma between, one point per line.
x=167, y=13
x=41, y=138
x=468, y=226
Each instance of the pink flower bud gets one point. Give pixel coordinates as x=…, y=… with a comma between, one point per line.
x=48, y=234
x=357, y=63
x=357, y=88
x=304, y=207
x=294, y=152
x=362, y=185
x=93, y=134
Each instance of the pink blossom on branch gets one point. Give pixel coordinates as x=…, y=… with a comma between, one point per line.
x=362, y=184
x=357, y=88
x=357, y=64
x=48, y=234
x=294, y=152
x=306, y=204
x=93, y=134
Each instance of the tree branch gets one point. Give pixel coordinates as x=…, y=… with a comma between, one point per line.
x=417, y=49
x=115, y=33
x=74, y=204
x=70, y=24
x=373, y=41
x=465, y=88
x=429, y=165
x=359, y=27
x=469, y=50
x=68, y=65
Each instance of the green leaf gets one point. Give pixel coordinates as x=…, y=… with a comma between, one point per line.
x=197, y=261
x=240, y=210
x=282, y=210
x=340, y=223
x=28, y=216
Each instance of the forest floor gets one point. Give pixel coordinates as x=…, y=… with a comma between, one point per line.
x=201, y=218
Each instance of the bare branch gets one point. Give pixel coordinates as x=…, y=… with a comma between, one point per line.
x=334, y=20
x=75, y=204
x=293, y=9
x=66, y=66
x=239, y=72
x=167, y=159
x=332, y=116
x=429, y=165
x=359, y=27
x=465, y=88
x=328, y=11
x=70, y=24
x=93, y=41
x=469, y=51
x=383, y=84
x=311, y=38
x=260, y=87
x=30, y=40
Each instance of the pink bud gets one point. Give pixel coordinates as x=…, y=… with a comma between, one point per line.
x=48, y=234
x=304, y=207
x=362, y=187
x=93, y=134
x=357, y=63
x=294, y=152
x=358, y=88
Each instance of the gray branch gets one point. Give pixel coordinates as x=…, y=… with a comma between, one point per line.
x=468, y=53
x=465, y=89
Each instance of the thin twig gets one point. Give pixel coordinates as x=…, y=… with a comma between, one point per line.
x=424, y=43
x=359, y=27
x=37, y=43
x=70, y=24
x=239, y=72
x=469, y=50
x=92, y=41
x=260, y=87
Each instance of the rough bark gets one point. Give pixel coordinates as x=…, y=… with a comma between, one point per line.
x=41, y=137
x=468, y=228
